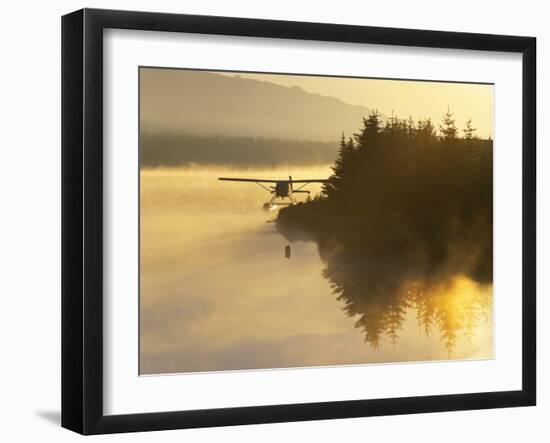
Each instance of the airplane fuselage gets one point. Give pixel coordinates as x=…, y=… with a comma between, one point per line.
x=282, y=189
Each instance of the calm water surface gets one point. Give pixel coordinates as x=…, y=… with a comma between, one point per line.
x=218, y=293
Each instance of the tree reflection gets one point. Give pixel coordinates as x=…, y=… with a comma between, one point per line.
x=454, y=306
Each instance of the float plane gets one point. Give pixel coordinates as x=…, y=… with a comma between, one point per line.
x=280, y=189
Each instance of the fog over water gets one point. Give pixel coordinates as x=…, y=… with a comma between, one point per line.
x=218, y=293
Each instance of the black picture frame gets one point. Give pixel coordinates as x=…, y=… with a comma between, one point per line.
x=82, y=220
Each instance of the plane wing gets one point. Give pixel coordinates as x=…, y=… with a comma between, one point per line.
x=261, y=180
x=253, y=180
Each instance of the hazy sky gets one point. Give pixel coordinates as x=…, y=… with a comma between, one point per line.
x=406, y=98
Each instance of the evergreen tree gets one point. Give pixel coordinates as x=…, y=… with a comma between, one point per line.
x=469, y=130
x=372, y=124
x=371, y=128
x=342, y=166
x=425, y=131
x=448, y=128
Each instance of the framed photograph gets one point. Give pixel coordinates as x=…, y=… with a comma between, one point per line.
x=268, y=221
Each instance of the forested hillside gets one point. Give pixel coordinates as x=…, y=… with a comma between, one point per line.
x=167, y=149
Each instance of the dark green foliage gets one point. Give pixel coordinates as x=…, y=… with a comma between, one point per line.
x=166, y=149
x=403, y=205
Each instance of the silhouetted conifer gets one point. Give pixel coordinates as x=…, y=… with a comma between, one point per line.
x=448, y=128
x=469, y=130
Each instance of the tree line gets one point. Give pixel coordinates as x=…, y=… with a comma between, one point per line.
x=405, y=205
x=172, y=150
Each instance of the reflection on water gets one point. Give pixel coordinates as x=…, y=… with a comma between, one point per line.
x=449, y=309
x=218, y=291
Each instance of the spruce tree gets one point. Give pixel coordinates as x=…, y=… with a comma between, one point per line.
x=371, y=125
x=469, y=130
x=341, y=166
x=448, y=128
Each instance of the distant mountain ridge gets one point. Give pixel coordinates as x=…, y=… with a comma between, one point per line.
x=207, y=103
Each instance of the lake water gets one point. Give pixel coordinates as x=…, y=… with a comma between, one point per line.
x=218, y=292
